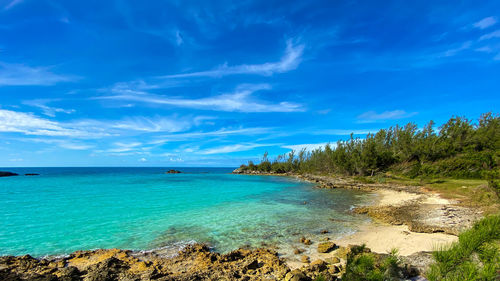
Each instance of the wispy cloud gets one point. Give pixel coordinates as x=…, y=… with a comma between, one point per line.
x=494, y=34
x=233, y=148
x=308, y=146
x=66, y=144
x=343, y=132
x=239, y=101
x=218, y=133
x=22, y=75
x=290, y=61
x=464, y=46
x=47, y=110
x=485, y=23
x=12, y=4
x=372, y=116
x=29, y=124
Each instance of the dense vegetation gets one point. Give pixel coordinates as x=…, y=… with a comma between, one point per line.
x=476, y=256
x=460, y=148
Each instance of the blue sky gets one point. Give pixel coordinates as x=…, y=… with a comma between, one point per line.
x=217, y=83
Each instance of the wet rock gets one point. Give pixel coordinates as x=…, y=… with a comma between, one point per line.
x=298, y=251
x=305, y=241
x=31, y=174
x=305, y=259
x=324, y=231
x=325, y=247
x=7, y=174
x=173, y=172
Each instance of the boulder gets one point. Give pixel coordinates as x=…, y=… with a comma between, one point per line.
x=7, y=174
x=326, y=247
x=305, y=259
x=295, y=275
x=173, y=172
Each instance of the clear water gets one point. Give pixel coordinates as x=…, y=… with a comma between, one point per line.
x=68, y=209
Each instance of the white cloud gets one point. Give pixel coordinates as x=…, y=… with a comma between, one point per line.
x=485, y=23
x=372, y=116
x=343, y=132
x=48, y=110
x=30, y=124
x=143, y=159
x=154, y=124
x=494, y=34
x=22, y=75
x=233, y=148
x=290, y=61
x=308, y=146
x=61, y=143
x=462, y=47
x=12, y=4
x=239, y=101
x=218, y=133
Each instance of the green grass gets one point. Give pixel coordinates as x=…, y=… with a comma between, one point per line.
x=476, y=256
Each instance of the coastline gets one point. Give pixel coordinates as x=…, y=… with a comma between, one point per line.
x=432, y=223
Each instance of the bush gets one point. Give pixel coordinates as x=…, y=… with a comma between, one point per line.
x=476, y=256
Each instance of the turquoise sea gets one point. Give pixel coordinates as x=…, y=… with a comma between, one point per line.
x=68, y=209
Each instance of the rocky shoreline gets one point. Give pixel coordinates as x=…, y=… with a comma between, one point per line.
x=399, y=206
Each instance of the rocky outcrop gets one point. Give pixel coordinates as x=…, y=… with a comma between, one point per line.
x=195, y=262
x=7, y=174
x=326, y=247
x=173, y=172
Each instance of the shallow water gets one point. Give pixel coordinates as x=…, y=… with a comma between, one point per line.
x=68, y=209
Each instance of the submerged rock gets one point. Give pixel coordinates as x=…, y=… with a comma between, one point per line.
x=31, y=174
x=7, y=174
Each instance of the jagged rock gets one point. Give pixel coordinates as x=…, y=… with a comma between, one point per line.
x=195, y=262
x=7, y=174
x=305, y=259
x=326, y=247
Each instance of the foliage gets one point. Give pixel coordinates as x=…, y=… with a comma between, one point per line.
x=476, y=256
x=365, y=266
x=459, y=149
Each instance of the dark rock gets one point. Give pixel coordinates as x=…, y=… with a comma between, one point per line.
x=31, y=174
x=173, y=172
x=7, y=174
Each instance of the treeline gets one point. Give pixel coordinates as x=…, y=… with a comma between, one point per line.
x=460, y=148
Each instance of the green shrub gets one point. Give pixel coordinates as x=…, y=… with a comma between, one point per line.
x=475, y=256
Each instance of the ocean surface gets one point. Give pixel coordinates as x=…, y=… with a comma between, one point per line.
x=68, y=209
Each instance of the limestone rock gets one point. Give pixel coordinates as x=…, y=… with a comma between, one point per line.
x=326, y=247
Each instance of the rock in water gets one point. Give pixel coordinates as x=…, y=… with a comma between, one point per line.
x=7, y=174
x=31, y=174
x=173, y=172
x=326, y=247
